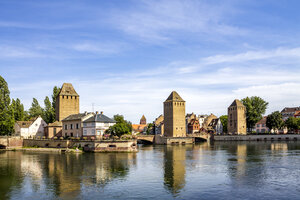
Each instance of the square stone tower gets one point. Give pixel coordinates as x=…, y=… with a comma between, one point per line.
x=67, y=102
x=237, y=118
x=174, y=116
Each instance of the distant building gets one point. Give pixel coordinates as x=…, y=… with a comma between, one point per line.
x=193, y=126
x=201, y=119
x=140, y=128
x=96, y=125
x=297, y=114
x=174, y=116
x=261, y=127
x=159, y=125
x=208, y=120
x=188, y=119
x=216, y=126
x=143, y=120
x=28, y=129
x=67, y=102
x=289, y=112
x=237, y=118
x=73, y=124
x=53, y=129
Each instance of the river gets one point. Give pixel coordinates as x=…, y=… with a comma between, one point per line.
x=223, y=170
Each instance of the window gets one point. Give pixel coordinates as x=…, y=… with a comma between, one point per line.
x=257, y=125
x=71, y=126
x=93, y=131
x=84, y=132
x=66, y=127
x=54, y=131
x=263, y=125
x=84, y=124
x=77, y=126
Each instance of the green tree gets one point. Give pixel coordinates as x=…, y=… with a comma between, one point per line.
x=275, y=121
x=224, y=120
x=292, y=124
x=255, y=109
x=7, y=120
x=149, y=130
x=18, y=108
x=49, y=112
x=54, y=95
x=35, y=110
x=121, y=127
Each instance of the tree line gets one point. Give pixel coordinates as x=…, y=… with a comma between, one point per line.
x=12, y=110
x=255, y=109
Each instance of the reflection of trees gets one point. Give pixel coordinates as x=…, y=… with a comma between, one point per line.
x=63, y=175
x=9, y=172
x=174, y=168
x=246, y=161
x=107, y=167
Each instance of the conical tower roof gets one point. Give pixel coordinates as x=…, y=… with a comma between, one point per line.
x=143, y=117
x=174, y=96
x=237, y=102
x=68, y=89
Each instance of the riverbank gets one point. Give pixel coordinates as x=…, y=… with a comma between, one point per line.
x=287, y=137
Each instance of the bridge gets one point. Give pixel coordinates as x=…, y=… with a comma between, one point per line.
x=201, y=136
x=146, y=138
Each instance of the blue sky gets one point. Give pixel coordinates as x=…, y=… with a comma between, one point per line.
x=127, y=56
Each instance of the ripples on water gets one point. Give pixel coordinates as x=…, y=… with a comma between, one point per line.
x=228, y=170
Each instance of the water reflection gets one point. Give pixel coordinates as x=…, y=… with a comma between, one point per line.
x=174, y=168
x=213, y=171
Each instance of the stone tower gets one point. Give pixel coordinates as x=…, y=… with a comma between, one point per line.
x=143, y=120
x=174, y=116
x=67, y=102
x=237, y=118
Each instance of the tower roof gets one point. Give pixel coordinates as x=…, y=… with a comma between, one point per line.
x=143, y=117
x=237, y=102
x=68, y=89
x=174, y=96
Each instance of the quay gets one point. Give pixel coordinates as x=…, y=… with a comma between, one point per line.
x=86, y=145
x=281, y=137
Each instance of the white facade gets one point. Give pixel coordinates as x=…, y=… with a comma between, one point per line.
x=219, y=127
x=95, y=128
x=201, y=119
x=30, y=129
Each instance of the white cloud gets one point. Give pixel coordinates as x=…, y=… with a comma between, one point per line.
x=18, y=52
x=160, y=20
x=206, y=88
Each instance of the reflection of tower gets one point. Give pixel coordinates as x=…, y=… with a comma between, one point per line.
x=174, y=116
x=174, y=167
x=241, y=153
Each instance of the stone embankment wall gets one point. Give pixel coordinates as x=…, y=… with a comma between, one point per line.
x=256, y=137
x=11, y=142
x=95, y=146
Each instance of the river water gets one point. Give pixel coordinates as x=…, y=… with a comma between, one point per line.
x=223, y=170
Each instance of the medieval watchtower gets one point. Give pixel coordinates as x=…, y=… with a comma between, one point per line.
x=143, y=120
x=174, y=116
x=237, y=118
x=67, y=102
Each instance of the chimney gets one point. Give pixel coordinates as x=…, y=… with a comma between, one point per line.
x=85, y=112
x=101, y=112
